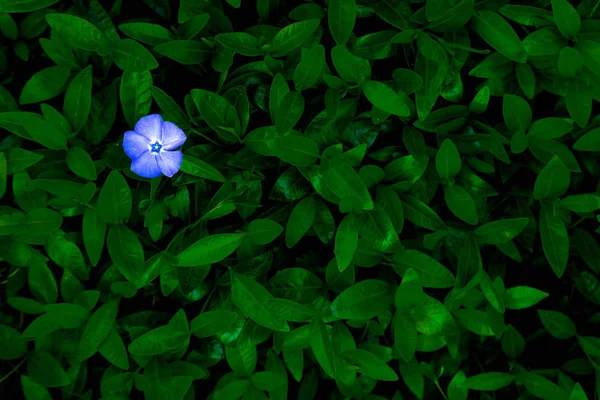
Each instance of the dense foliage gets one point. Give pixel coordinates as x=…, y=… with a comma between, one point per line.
x=378, y=199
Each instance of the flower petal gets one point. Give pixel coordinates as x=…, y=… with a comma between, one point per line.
x=169, y=162
x=146, y=166
x=172, y=136
x=135, y=145
x=150, y=126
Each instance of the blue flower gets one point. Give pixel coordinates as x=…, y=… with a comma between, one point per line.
x=150, y=146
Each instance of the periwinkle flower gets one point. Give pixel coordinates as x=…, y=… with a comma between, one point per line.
x=151, y=147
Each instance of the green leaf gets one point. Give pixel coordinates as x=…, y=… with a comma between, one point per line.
x=432, y=74
x=136, y=95
x=218, y=113
x=158, y=341
x=115, y=199
x=133, y=57
x=93, y=230
x=12, y=344
x=341, y=16
x=295, y=149
x=579, y=101
x=502, y=231
x=170, y=109
x=264, y=231
x=590, y=141
x=557, y=324
x=126, y=252
x=517, y=113
x=542, y=387
x=79, y=32
x=210, y=249
x=240, y=42
x=383, y=97
x=489, y=381
x=186, y=52
x=251, y=298
x=519, y=297
x=98, y=327
x=500, y=35
x=194, y=166
x=578, y=393
x=461, y=203
x=370, y=365
x=147, y=33
x=432, y=274
x=23, y=6
x=81, y=164
x=78, y=99
x=289, y=111
x=553, y=180
x=301, y=219
x=405, y=335
x=379, y=231
x=322, y=348
x=113, y=349
x=544, y=42
x=46, y=371
x=292, y=37
x=346, y=241
x=39, y=220
x=309, y=69
x=210, y=323
x=364, y=300
x=344, y=182
x=45, y=84
x=581, y=203
x=566, y=17
x=67, y=316
x=570, y=62
x=447, y=160
x=350, y=67
x=555, y=239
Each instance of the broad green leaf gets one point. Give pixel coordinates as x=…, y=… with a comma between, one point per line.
x=46, y=133
x=461, y=203
x=433, y=75
x=158, y=341
x=379, y=231
x=519, y=297
x=341, y=16
x=133, y=57
x=542, y=387
x=370, y=365
x=555, y=240
x=432, y=273
x=45, y=84
x=557, y=324
x=78, y=99
x=310, y=67
x=421, y=214
x=383, y=97
x=405, y=335
x=251, y=298
x=289, y=111
x=264, y=231
x=210, y=249
x=67, y=316
x=469, y=265
x=550, y=128
x=98, y=327
x=517, y=113
x=447, y=160
x=320, y=342
x=364, y=300
x=578, y=393
x=152, y=34
x=136, y=95
x=279, y=88
x=553, y=180
x=33, y=390
x=218, y=113
x=344, y=182
x=12, y=344
x=581, y=203
x=194, y=166
x=350, y=67
x=93, y=230
x=301, y=219
x=81, y=164
x=346, y=241
x=502, y=231
x=171, y=111
x=23, y=6
x=570, y=62
x=488, y=381
x=113, y=350
x=590, y=141
x=566, y=17
x=579, y=101
x=115, y=199
x=186, y=52
x=46, y=370
x=210, y=323
x=38, y=220
x=240, y=42
x=292, y=37
x=499, y=34
x=79, y=32
x=126, y=252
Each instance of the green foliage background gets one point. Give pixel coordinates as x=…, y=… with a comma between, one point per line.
x=379, y=199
